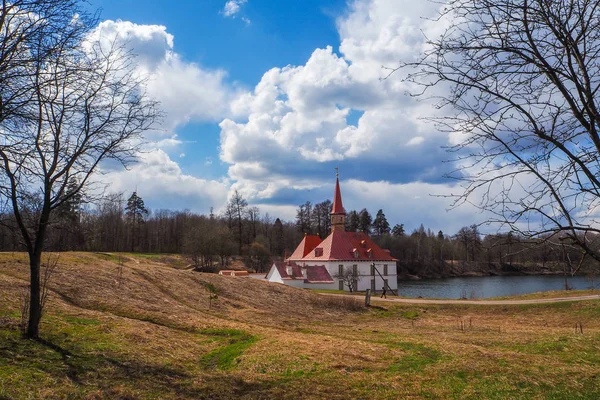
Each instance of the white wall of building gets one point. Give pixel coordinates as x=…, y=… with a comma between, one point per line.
x=367, y=279
x=274, y=275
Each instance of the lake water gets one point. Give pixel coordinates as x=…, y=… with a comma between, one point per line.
x=490, y=286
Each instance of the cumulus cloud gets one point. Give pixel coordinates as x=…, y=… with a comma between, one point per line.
x=162, y=184
x=186, y=92
x=296, y=123
x=411, y=203
x=232, y=7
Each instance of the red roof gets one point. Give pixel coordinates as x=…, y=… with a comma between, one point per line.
x=295, y=269
x=231, y=272
x=337, y=208
x=346, y=246
x=317, y=274
x=307, y=245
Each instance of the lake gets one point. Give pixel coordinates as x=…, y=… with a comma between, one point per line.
x=490, y=286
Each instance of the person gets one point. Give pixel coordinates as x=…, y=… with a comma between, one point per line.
x=383, y=293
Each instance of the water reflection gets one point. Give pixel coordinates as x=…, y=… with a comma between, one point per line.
x=490, y=286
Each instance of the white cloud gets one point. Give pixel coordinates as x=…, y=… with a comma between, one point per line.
x=421, y=203
x=186, y=91
x=232, y=7
x=417, y=140
x=297, y=119
x=162, y=184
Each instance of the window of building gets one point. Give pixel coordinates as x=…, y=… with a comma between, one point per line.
x=341, y=270
x=385, y=270
x=370, y=253
x=372, y=269
x=355, y=270
x=318, y=252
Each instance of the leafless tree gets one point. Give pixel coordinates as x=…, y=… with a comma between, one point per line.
x=517, y=81
x=350, y=278
x=67, y=104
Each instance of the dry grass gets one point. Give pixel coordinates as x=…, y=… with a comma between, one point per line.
x=149, y=333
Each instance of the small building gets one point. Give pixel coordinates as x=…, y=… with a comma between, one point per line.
x=291, y=274
x=231, y=272
x=322, y=264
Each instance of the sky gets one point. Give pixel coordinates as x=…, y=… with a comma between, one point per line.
x=269, y=97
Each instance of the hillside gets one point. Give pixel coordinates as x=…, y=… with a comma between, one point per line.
x=137, y=326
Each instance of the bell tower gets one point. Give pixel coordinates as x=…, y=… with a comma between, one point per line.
x=338, y=214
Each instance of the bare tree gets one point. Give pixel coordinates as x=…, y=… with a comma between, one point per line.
x=67, y=104
x=517, y=82
x=235, y=213
x=350, y=277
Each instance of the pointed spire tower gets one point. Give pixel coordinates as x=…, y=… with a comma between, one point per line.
x=338, y=214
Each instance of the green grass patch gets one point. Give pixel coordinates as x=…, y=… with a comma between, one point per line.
x=111, y=257
x=225, y=357
x=418, y=357
x=149, y=256
x=332, y=291
x=410, y=314
x=81, y=321
x=210, y=287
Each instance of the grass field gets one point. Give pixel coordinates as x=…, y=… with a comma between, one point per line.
x=128, y=327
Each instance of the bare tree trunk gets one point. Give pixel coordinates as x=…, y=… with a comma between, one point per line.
x=35, y=309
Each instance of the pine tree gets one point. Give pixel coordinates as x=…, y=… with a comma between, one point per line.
x=136, y=213
x=381, y=225
x=398, y=230
x=68, y=217
x=352, y=221
x=278, y=245
x=364, y=221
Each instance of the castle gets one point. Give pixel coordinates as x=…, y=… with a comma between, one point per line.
x=343, y=260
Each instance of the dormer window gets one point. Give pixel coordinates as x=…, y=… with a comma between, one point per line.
x=356, y=253
x=370, y=253
x=318, y=252
x=364, y=244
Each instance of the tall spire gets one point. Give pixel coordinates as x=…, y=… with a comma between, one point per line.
x=337, y=208
x=338, y=213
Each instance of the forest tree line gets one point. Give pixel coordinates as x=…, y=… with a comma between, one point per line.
x=120, y=224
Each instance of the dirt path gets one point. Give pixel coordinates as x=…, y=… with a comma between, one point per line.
x=477, y=302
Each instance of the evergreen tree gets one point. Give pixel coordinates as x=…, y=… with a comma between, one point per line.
x=68, y=218
x=278, y=243
x=365, y=221
x=352, y=221
x=398, y=230
x=381, y=225
x=136, y=213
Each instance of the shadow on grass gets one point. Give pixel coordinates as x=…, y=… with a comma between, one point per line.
x=45, y=364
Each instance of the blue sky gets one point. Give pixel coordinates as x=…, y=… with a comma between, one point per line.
x=268, y=97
